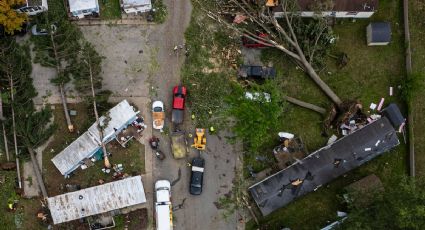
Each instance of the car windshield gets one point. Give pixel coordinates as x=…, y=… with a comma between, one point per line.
x=157, y=109
x=195, y=185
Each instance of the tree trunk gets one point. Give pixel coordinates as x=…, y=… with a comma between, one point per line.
x=61, y=89
x=307, y=65
x=38, y=173
x=6, y=148
x=1, y=107
x=96, y=114
x=305, y=105
x=322, y=85
x=15, y=141
x=65, y=109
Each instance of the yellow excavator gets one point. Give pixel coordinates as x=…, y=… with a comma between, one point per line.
x=200, y=141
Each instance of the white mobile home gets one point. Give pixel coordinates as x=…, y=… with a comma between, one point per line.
x=332, y=8
x=33, y=7
x=81, y=8
x=88, y=144
x=136, y=6
x=95, y=200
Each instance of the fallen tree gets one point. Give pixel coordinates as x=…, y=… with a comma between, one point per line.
x=282, y=33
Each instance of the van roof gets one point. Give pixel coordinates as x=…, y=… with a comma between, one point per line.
x=162, y=195
x=163, y=220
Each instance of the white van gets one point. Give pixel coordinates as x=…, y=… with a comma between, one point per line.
x=163, y=208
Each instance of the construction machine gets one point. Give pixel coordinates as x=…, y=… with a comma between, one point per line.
x=200, y=141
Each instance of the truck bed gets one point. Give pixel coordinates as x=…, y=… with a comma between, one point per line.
x=178, y=144
x=177, y=116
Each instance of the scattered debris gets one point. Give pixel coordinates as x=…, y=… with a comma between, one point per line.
x=289, y=151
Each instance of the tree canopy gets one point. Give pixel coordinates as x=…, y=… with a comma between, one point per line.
x=32, y=127
x=10, y=19
x=255, y=117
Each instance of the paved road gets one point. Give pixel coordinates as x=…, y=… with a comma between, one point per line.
x=140, y=63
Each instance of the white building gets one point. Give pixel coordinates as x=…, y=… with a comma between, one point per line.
x=88, y=144
x=333, y=8
x=136, y=6
x=81, y=8
x=33, y=7
x=95, y=200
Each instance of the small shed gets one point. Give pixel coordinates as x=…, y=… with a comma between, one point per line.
x=378, y=33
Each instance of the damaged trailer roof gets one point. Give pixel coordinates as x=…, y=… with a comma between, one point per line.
x=324, y=165
x=89, y=143
x=70, y=158
x=95, y=200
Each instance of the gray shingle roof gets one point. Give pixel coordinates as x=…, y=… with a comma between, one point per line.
x=381, y=31
x=320, y=167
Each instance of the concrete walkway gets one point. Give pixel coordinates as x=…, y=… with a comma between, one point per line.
x=96, y=22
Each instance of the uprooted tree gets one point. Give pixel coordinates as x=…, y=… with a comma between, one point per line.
x=88, y=80
x=287, y=34
x=59, y=50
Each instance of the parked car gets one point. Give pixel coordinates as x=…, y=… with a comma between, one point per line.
x=249, y=43
x=163, y=208
x=41, y=31
x=179, y=96
x=196, y=179
x=259, y=72
x=158, y=114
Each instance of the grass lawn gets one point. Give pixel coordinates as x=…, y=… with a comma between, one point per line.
x=25, y=215
x=367, y=77
x=110, y=9
x=131, y=157
x=417, y=33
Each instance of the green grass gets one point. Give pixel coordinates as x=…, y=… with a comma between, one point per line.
x=7, y=192
x=367, y=77
x=417, y=33
x=110, y=9
x=160, y=11
x=204, y=73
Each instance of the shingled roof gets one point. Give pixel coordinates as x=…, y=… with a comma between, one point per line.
x=324, y=165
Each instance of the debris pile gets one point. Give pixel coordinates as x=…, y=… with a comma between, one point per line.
x=290, y=150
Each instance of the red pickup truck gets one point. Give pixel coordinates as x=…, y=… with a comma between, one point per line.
x=179, y=96
x=248, y=43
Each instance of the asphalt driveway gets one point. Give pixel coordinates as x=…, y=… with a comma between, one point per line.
x=140, y=62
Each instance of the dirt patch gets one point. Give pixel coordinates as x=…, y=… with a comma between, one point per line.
x=136, y=220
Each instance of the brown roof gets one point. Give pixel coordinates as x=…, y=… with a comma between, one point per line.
x=335, y=5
